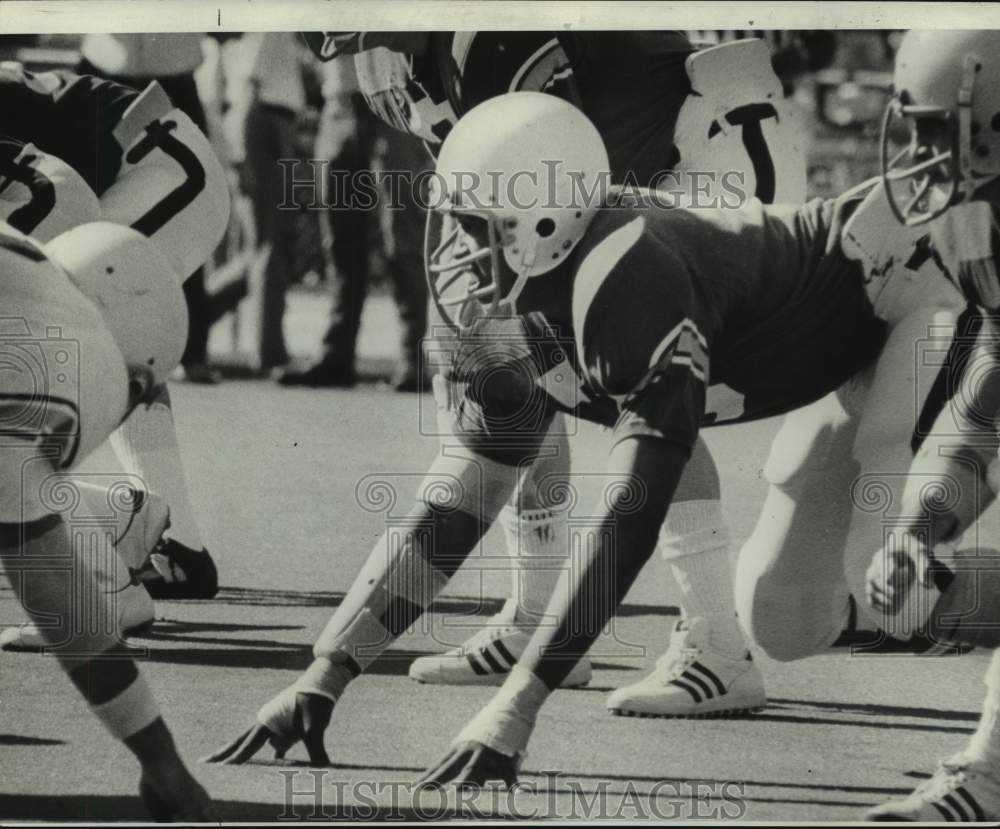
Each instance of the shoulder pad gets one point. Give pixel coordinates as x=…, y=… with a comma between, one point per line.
x=733, y=74
x=869, y=232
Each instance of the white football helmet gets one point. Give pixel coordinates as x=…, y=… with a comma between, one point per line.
x=137, y=292
x=947, y=95
x=518, y=181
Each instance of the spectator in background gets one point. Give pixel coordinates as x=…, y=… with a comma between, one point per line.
x=271, y=99
x=169, y=59
x=355, y=141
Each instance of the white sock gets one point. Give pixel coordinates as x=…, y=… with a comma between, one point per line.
x=984, y=745
x=538, y=543
x=146, y=445
x=695, y=540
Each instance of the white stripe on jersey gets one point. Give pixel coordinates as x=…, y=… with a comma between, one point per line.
x=536, y=58
x=684, y=325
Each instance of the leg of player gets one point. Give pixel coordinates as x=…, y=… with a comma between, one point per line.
x=644, y=473
x=966, y=786
x=139, y=522
x=460, y=497
x=791, y=594
x=708, y=669
x=146, y=445
x=85, y=641
x=536, y=531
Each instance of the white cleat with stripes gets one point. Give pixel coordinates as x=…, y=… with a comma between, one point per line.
x=961, y=791
x=692, y=680
x=486, y=659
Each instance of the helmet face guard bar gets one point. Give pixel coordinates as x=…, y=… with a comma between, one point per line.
x=464, y=278
x=916, y=207
x=912, y=207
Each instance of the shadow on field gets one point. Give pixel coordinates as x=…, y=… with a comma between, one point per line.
x=261, y=654
x=458, y=605
x=93, y=808
x=22, y=740
x=882, y=710
x=789, y=714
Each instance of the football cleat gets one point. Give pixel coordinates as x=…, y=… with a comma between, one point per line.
x=175, y=571
x=135, y=617
x=486, y=659
x=692, y=680
x=961, y=790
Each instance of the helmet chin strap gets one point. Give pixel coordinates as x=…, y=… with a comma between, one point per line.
x=523, y=270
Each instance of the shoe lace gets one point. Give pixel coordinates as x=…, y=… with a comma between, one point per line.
x=678, y=658
x=478, y=641
x=949, y=776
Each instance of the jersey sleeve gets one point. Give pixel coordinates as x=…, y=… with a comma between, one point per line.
x=70, y=116
x=642, y=338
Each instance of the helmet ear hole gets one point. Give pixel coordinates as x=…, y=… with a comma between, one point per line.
x=545, y=228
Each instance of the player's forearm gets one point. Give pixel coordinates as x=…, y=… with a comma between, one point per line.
x=953, y=477
x=646, y=472
x=614, y=550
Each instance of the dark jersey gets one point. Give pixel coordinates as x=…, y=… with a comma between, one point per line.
x=69, y=116
x=666, y=320
x=630, y=84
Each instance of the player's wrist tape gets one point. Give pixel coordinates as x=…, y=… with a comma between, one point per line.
x=129, y=712
x=324, y=678
x=506, y=722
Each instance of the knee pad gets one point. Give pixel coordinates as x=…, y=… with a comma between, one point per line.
x=784, y=621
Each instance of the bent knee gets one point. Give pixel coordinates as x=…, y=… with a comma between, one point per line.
x=783, y=619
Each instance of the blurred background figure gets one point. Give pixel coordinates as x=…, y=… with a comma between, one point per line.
x=170, y=59
x=267, y=101
x=360, y=148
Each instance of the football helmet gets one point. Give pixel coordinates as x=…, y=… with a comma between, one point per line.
x=137, y=292
x=947, y=97
x=517, y=182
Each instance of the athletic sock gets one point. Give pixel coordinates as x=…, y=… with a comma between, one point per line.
x=984, y=745
x=146, y=445
x=538, y=544
x=695, y=540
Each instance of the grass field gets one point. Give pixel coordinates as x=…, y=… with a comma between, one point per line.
x=274, y=475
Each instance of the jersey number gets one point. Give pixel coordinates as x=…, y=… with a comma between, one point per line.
x=159, y=134
x=43, y=194
x=749, y=118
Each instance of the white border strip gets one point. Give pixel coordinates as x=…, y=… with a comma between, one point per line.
x=67, y=16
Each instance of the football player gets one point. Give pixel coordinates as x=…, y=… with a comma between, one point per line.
x=646, y=317
x=668, y=116
x=133, y=159
x=93, y=322
x=944, y=189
